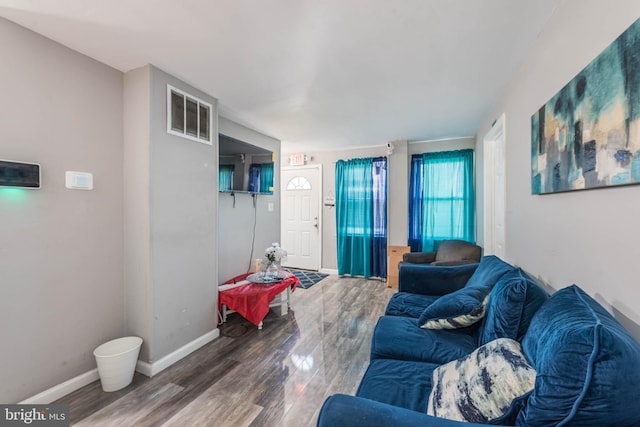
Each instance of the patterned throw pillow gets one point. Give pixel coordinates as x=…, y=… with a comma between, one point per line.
x=481, y=387
x=453, y=316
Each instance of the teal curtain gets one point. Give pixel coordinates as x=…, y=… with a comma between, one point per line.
x=266, y=178
x=415, y=204
x=361, y=191
x=354, y=197
x=261, y=178
x=254, y=178
x=225, y=178
x=448, y=202
x=379, y=212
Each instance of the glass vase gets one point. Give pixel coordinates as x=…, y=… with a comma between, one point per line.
x=271, y=269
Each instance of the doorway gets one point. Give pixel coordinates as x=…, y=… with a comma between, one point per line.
x=301, y=190
x=495, y=189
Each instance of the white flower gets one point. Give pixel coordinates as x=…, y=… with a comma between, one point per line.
x=275, y=252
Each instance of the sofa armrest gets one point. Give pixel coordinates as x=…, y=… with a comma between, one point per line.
x=433, y=280
x=350, y=411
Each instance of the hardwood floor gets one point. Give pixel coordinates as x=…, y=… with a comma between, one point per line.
x=279, y=376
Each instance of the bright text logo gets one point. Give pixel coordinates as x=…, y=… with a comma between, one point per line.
x=34, y=415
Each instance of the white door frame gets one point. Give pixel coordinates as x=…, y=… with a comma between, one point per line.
x=492, y=142
x=320, y=206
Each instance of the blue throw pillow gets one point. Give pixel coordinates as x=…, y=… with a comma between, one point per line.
x=514, y=300
x=588, y=365
x=463, y=309
x=465, y=306
x=481, y=386
x=490, y=269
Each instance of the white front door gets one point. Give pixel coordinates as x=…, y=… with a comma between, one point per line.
x=301, y=216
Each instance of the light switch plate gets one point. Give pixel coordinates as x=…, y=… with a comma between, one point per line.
x=78, y=180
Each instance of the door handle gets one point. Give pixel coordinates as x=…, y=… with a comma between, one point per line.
x=316, y=224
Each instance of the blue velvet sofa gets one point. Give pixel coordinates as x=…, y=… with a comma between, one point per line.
x=587, y=367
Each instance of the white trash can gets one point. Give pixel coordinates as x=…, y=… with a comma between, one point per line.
x=116, y=361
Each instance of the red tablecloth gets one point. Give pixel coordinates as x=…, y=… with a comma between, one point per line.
x=252, y=300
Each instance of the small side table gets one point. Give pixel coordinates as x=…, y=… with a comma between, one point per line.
x=253, y=300
x=394, y=254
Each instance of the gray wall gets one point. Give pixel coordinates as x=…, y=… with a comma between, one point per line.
x=61, y=259
x=184, y=218
x=137, y=241
x=398, y=194
x=585, y=237
x=398, y=175
x=419, y=147
x=170, y=276
x=235, y=225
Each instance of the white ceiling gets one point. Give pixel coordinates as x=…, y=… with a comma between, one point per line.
x=317, y=74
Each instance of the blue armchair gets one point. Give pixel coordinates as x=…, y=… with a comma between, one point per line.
x=450, y=252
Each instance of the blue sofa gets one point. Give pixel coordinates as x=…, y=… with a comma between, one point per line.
x=587, y=367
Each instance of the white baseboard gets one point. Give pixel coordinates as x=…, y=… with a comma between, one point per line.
x=328, y=271
x=151, y=369
x=148, y=369
x=61, y=390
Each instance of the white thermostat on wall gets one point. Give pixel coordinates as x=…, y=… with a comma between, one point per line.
x=78, y=180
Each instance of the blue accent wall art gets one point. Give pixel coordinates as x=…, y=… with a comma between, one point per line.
x=588, y=134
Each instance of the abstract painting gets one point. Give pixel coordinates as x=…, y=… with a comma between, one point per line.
x=588, y=134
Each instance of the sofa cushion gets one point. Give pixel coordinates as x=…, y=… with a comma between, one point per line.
x=398, y=383
x=481, y=386
x=408, y=304
x=512, y=303
x=400, y=338
x=588, y=365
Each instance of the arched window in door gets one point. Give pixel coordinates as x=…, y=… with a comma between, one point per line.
x=298, y=183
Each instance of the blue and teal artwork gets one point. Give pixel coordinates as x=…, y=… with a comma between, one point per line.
x=588, y=134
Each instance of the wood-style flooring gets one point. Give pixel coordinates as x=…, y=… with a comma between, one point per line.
x=279, y=376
